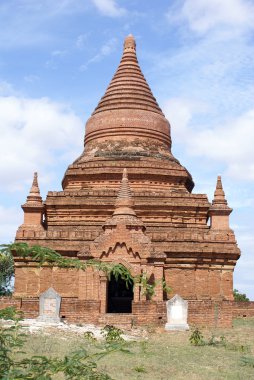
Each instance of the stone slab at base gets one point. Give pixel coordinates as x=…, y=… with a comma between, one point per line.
x=50, y=302
x=177, y=312
x=49, y=320
x=172, y=327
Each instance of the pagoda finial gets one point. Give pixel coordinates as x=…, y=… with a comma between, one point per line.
x=219, y=195
x=124, y=201
x=35, y=187
x=219, y=211
x=129, y=43
x=124, y=190
x=128, y=89
x=33, y=208
x=34, y=194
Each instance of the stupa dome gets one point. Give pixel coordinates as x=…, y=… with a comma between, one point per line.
x=127, y=129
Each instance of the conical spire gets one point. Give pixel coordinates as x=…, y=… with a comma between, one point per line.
x=124, y=190
x=219, y=211
x=128, y=89
x=219, y=195
x=34, y=196
x=128, y=111
x=124, y=201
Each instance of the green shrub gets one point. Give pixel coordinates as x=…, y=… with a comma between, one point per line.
x=196, y=338
x=140, y=369
x=112, y=334
x=240, y=296
x=89, y=335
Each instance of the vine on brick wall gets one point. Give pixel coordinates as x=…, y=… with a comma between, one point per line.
x=48, y=256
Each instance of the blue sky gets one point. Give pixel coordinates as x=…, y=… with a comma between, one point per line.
x=57, y=58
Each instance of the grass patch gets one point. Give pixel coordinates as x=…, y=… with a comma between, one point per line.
x=164, y=355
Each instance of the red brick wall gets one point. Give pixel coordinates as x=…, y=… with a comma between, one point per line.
x=201, y=284
x=243, y=309
x=9, y=301
x=204, y=313
x=76, y=310
x=210, y=313
x=149, y=312
x=200, y=313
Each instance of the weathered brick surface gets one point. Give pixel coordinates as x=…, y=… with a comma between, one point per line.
x=9, y=301
x=243, y=309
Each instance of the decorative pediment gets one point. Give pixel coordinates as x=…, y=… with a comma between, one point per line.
x=122, y=235
x=121, y=242
x=120, y=250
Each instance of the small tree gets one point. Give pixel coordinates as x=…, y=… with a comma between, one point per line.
x=6, y=272
x=240, y=296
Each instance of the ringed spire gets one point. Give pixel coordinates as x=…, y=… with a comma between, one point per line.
x=128, y=88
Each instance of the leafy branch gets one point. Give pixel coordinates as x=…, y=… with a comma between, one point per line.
x=47, y=256
x=80, y=364
x=6, y=272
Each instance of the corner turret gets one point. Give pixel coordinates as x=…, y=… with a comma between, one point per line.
x=33, y=208
x=219, y=211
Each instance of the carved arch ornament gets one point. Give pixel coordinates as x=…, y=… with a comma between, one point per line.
x=120, y=249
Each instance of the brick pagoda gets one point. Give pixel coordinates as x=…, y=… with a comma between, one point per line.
x=128, y=200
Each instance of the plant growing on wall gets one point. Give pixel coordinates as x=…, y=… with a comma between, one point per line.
x=44, y=255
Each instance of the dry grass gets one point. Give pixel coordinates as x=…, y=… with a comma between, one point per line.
x=164, y=355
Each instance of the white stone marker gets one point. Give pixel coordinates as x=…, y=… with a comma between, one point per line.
x=177, y=313
x=49, y=306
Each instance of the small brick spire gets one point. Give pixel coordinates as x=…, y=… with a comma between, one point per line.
x=124, y=191
x=33, y=208
x=34, y=196
x=124, y=213
x=124, y=201
x=219, y=211
x=219, y=195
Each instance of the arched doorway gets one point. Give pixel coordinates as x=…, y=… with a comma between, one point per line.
x=120, y=296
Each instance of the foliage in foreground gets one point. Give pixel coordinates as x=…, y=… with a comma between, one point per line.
x=112, y=334
x=80, y=364
x=197, y=339
x=6, y=272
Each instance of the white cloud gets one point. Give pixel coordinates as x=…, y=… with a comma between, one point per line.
x=36, y=134
x=31, y=78
x=108, y=48
x=10, y=219
x=81, y=41
x=203, y=16
x=109, y=8
x=59, y=53
x=180, y=112
x=229, y=142
x=6, y=88
x=32, y=22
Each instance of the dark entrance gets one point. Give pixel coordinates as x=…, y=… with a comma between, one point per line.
x=120, y=296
